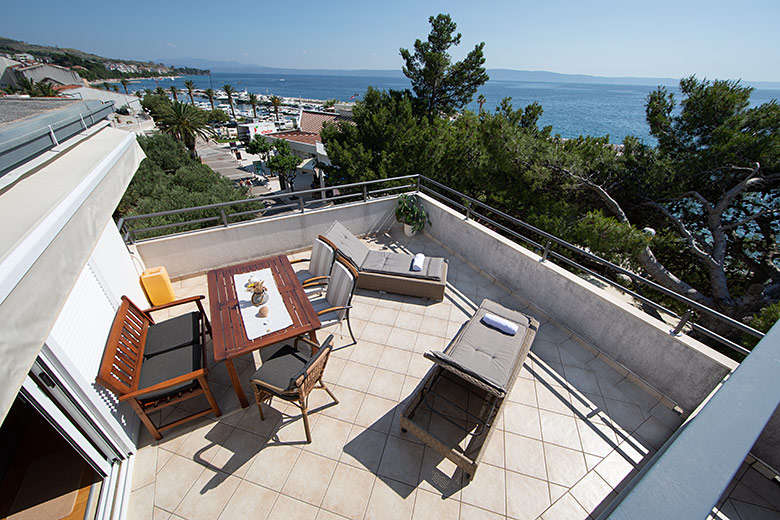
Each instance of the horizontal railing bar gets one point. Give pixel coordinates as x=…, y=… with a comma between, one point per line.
x=717, y=337
x=175, y=224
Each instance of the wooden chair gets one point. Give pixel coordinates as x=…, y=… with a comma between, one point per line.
x=291, y=374
x=156, y=365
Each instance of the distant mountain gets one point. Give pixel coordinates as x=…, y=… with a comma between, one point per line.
x=495, y=74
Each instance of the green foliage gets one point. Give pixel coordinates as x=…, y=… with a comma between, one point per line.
x=259, y=146
x=229, y=90
x=409, y=212
x=440, y=85
x=168, y=178
x=763, y=321
x=209, y=93
x=330, y=103
x=185, y=122
x=276, y=102
x=217, y=116
x=283, y=162
x=124, y=110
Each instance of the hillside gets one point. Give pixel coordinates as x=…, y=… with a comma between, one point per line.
x=91, y=66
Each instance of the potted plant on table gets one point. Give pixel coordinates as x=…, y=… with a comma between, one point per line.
x=412, y=215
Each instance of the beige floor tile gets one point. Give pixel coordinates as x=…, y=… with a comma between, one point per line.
x=367, y=352
x=557, y=492
x=525, y=455
x=469, y=512
x=309, y=478
x=418, y=365
x=141, y=505
x=440, y=475
x=526, y=497
x=395, y=359
x=546, y=350
x=487, y=489
x=434, y=326
x=324, y=514
x=376, y=333
x=204, y=443
x=144, y=467
x=237, y=452
x=554, y=398
x=522, y=420
x=376, y=413
x=349, y=491
x=564, y=466
x=252, y=422
x=386, y=384
x=523, y=392
x=356, y=376
x=272, y=466
x=582, y=379
x=287, y=508
x=401, y=338
x=426, y=342
x=597, y=438
x=401, y=460
x=208, y=496
x=249, y=500
x=560, y=429
x=614, y=469
x=566, y=508
x=593, y=493
x=349, y=404
x=384, y=315
x=433, y=506
x=160, y=514
x=328, y=437
x=174, y=481
x=390, y=500
x=574, y=354
x=364, y=448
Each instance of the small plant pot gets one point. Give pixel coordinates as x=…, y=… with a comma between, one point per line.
x=259, y=299
x=409, y=231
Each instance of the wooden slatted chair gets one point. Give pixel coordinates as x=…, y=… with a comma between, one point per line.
x=291, y=374
x=156, y=365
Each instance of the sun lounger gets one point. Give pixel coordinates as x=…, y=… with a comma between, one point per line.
x=467, y=386
x=389, y=271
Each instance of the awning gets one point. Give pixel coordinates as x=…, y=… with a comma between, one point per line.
x=52, y=219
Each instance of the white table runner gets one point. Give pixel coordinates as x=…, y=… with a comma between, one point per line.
x=278, y=318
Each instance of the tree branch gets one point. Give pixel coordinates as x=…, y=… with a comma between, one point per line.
x=703, y=252
x=764, y=211
x=611, y=203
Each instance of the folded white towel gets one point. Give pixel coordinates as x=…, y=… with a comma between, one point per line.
x=417, y=263
x=502, y=324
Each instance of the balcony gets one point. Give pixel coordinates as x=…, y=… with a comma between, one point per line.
x=577, y=427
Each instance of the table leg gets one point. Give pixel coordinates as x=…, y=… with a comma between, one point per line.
x=236, y=383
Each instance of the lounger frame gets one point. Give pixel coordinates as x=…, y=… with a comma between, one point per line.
x=479, y=421
x=406, y=285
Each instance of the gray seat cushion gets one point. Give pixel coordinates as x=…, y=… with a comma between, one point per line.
x=485, y=352
x=349, y=246
x=279, y=372
x=181, y=331
x=400, y=264
x=170, y=365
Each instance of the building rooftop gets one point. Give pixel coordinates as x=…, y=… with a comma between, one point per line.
x=14, y=110
x=574, y=431
x=297, y=136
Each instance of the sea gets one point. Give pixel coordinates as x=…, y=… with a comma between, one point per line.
x=572, y=109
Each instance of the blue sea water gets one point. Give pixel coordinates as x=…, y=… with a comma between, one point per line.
x=573, y=109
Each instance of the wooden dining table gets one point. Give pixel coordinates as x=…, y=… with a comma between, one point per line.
x=229, y=333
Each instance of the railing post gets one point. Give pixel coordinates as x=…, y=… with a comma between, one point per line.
x=687, y=316
x=546, y=251
x=418, y=183
x=468, y=209
x=365, y=193
x=224, y=217
x=300, y=203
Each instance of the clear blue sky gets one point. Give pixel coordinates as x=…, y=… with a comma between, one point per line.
x=661, y=38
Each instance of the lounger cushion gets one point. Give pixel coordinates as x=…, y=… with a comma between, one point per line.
x=388, y=262
x=170, y=365
x=171, y=334
x=484, y=352
x=349, y=246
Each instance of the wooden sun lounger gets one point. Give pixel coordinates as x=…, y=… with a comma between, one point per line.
x=482, y=363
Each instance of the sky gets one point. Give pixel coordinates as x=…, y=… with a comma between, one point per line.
x=659, y=38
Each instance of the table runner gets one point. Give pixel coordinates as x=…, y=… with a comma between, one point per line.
x=278, y=318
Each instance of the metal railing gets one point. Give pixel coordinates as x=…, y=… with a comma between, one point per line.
x=471, y=207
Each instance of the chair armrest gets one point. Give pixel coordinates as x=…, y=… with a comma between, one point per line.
x=316, y=280
x=162, y=386
x=182, y=301
x=331, y=309
x=300, y=260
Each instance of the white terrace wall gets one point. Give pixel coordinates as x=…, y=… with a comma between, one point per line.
x=680, y=368
x=199, y=251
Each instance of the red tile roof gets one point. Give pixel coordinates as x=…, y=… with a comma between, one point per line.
x=312, y=121
x=297, y=136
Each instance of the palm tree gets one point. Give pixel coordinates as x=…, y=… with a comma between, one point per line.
x=480, y=102
x=230, y=91
x=276, y=101
x=124, y=83
x=45, y=90
x=173, y=91
x=116, y=88
x=27, y=86
x=253, y=101
x=190, y=87
x=106, y=85
x=159, y=91
x=209, y=93
x=186, y=123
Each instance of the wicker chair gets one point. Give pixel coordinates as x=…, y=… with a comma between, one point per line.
x=291, y=374
x=156, y=365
